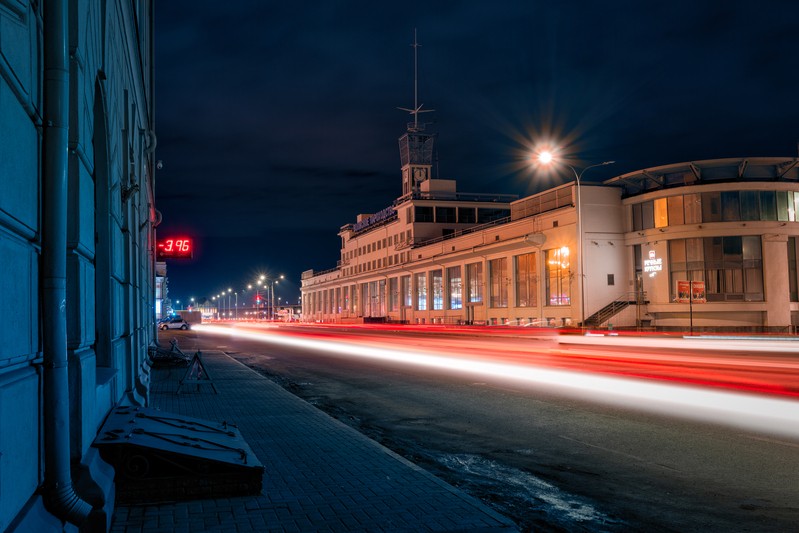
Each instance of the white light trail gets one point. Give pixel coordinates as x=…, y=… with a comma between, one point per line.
x=780, y=346
x=745, y=411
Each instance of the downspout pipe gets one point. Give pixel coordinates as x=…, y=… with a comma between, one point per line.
x=59, y=494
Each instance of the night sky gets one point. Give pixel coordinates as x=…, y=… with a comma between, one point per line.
x=277, y=122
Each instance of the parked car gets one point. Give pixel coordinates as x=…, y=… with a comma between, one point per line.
x=175, y=323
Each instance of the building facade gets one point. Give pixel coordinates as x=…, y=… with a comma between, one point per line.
x=519, y=269
x=714, y=242
x=709, y=245
x=77, y=221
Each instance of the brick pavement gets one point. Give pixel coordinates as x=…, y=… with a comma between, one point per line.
x=320, y=474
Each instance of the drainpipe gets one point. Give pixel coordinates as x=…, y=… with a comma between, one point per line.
x=156, y=223
x=60, y=496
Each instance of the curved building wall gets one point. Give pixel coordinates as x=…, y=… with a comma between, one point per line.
x=732, y=238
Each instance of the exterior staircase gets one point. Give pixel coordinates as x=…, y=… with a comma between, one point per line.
x=615, y=307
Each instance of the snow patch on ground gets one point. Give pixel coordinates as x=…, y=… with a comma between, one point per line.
x=556, y=506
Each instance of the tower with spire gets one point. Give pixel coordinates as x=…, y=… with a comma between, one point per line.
x=416, y=146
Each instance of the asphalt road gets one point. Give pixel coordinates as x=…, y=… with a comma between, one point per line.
x=550, y=461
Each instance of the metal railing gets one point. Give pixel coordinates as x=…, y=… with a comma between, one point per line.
x=615, y=307
x=464, y=231
x=460, y=196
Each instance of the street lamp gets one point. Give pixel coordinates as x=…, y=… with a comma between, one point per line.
x=272, y=298
x=262, y=283
x=249, y=287
x=547, y=158
x=258, y=284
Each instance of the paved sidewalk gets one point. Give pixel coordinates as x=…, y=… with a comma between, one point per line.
x=320, y=474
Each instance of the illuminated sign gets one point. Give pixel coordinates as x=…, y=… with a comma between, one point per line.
x=384, y=215
x=653, y=265
x=171, y=248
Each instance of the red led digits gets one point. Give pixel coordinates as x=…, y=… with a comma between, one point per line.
x=173, y=248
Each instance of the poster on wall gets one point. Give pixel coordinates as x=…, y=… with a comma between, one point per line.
x=690, y=292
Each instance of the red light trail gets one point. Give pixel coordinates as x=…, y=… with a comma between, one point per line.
x=679, y=384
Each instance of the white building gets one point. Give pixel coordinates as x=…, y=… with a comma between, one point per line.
x=729, y=224
x=704, y=245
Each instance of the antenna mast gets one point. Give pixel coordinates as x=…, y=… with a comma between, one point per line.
x=416, y=146
x=417, y=107
x=415, y=81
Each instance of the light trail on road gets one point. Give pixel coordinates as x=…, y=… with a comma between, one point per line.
x=774, y=416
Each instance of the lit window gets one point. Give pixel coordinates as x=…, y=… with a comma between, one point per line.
x=421, y=292
x=474, y=273
x=455, y=287
x=437, y=282
x=558, y=274
x=526, y=285
x=498, y=271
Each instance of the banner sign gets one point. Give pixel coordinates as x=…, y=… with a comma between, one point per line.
x=691, y=292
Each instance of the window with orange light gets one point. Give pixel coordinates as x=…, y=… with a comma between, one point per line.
x=558, y=276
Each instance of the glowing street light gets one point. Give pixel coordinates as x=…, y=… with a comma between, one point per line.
x=272, y=298
x=259, y=283
x=546, y=157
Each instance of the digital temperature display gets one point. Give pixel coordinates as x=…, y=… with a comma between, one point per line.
x=181, y=248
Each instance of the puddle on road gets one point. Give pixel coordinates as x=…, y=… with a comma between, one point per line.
x=516, y=489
